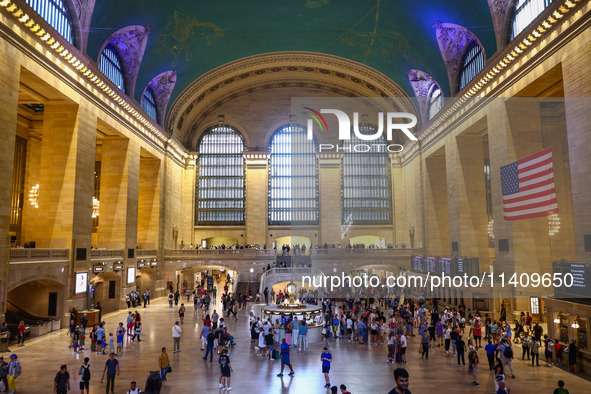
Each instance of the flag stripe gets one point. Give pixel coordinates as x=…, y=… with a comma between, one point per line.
x=531, y=205
x=545, y=192
x=542, y=213
x=538, y=184
x=547, y=170
x=535, y=156
x=533, y=166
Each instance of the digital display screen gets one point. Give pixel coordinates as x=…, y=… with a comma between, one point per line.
x=130, y=275
x=81, y=282
x=577, y=286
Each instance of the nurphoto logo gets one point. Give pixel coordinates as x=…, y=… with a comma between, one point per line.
x=395, y=122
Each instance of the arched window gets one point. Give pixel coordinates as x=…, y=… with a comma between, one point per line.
x=524, y=12
x=435, y=101
x=56, y=13
x=293, y=177
x=111, y=66
x=472, y=64
x=149, y=103
x=366, y=186
x=220, y=177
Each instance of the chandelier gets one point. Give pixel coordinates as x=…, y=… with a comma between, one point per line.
x=95, y=207
x=491, y=229
x=553, y=224
x=34, y=196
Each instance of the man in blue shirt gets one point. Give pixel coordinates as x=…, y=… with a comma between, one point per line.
x=303, y=331
x=326, y=359
x=285, y=358
x=111, y=368
x=100, y=336
x=490, y=354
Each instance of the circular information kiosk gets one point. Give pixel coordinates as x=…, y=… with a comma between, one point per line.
x=291, y=308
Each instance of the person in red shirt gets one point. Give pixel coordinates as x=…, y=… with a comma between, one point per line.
x=344, y=389
x=477, y=332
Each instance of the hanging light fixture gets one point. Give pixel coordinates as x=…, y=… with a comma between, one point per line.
x=95, y=207
x=34, y=196
x=557, y=320
x=553, y=224
x=575, y=324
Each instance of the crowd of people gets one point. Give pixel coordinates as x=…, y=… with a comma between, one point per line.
x=458, y=334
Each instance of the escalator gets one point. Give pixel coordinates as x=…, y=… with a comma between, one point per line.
x=15, y=314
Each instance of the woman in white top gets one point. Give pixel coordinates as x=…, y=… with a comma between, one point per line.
x=262, y=346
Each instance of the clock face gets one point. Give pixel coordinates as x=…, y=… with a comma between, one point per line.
x=292, y=288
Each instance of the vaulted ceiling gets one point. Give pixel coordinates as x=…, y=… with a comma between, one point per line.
x=193, y=37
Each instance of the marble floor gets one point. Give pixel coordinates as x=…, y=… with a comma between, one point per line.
x=361, y=368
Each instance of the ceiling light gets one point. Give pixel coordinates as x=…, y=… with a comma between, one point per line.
x=557, y=320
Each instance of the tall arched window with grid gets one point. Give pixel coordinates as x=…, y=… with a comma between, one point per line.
x=111, y=66
x=220, y=188
x=293, y=177
x=435, y=101
x=366, y=193
x=57, y=14
x=149, y=103
x=524, y=12
x=472, y=64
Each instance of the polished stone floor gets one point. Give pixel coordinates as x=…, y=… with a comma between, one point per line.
x=360, y=367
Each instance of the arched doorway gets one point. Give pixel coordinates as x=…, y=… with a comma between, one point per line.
x=107, y=290
x=145, y=279
x=35, y=301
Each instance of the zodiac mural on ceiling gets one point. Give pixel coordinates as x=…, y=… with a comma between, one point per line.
x=182, y=32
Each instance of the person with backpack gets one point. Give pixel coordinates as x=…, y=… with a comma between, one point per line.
x=112, y=369
x=133, y=389
x=507, y=355
x=560, y=389
x=61, y=383
x=225, y=370
x=84, y=373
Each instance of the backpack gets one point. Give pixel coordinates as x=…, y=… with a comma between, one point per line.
x=471, y=357
x=508, y=352
x=86, y=373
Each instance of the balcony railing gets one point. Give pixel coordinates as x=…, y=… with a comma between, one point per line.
x=145, y=252
x=217, y=253
x=34, y=254
x=360, y=252
x=99, y=254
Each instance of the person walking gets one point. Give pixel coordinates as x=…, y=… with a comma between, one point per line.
x=84, y=373
x=176, y=337
x=285, y=358
x=61, y=382
x=14, y=371
x=302, y=336
x=425, y=342
x=490, y=350
x=112, y=370
x=209, y=346
x=474, y=361
x=460, y=348
x=534, y=347
x=163, y=363
x=182, y=313
x=21, y=334
x=326, y=359
x=225, y=370
x=507, y=355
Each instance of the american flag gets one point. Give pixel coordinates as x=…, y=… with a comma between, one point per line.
x=528, y=187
